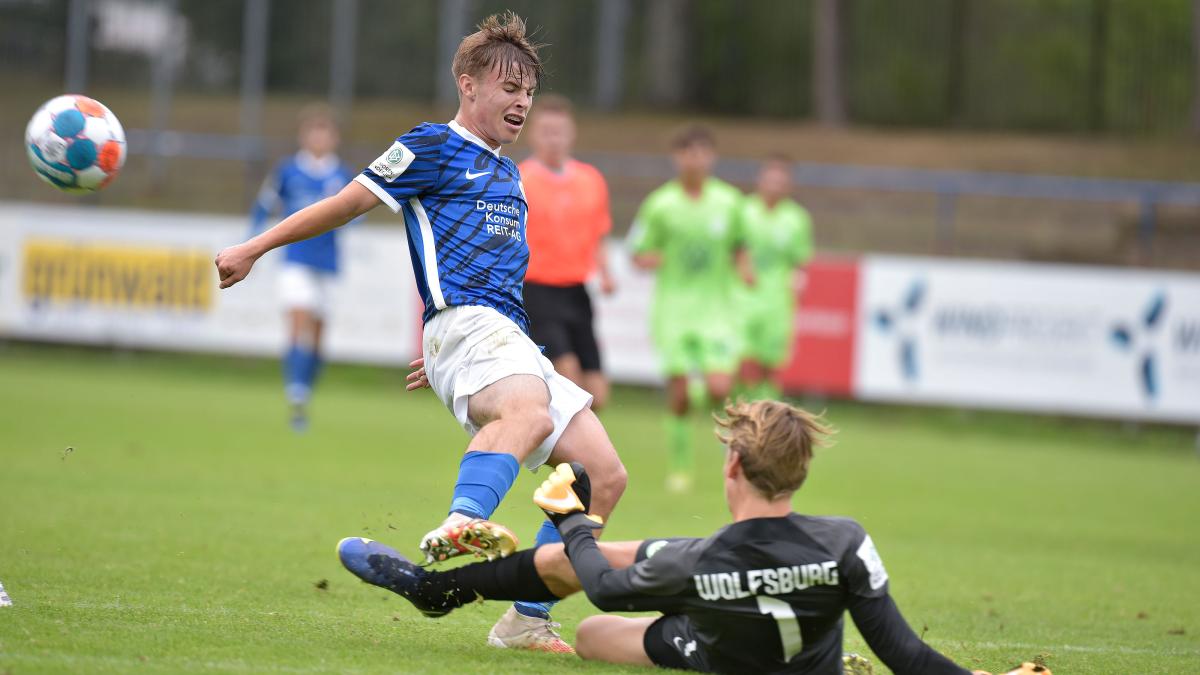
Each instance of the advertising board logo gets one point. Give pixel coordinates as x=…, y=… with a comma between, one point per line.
x=1140, y=337
x=899, y=321
x=75, y=275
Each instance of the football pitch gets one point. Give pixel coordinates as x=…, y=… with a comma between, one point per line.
x=157, y=516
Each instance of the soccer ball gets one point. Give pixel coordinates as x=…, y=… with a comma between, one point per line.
x=75, y=144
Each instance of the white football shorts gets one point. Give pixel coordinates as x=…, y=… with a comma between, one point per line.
x=467, y=348
x=304, y=287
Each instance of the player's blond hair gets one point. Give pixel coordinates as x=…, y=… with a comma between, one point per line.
x=499, y=41
x=775, y=442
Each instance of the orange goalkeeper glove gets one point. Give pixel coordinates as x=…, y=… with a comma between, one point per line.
x=566, y=492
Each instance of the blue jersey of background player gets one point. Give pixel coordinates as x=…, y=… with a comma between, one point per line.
x=293, y=184
x=312, y=174
x=464, y=211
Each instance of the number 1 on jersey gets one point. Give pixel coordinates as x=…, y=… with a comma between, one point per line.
x=789, y=625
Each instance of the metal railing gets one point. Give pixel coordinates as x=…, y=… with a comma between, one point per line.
x=947, y=186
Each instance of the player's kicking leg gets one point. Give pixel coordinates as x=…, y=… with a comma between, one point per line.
x=492, y=377
x=540, y=584
x=544, y=573
x=512, y=415
x=518, y=410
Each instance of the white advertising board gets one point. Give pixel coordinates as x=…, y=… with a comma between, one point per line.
x=1052, y=338
x=146, y=279
x=623, y=322
x=1056, y=338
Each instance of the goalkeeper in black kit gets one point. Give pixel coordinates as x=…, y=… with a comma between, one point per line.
x=766, y=593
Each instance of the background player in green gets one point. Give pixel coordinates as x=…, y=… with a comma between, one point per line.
x=776, y=233
x=685, y=231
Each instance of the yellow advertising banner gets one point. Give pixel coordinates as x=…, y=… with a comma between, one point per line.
x=155, y=278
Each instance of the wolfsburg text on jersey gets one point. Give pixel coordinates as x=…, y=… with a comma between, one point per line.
x=774, y=581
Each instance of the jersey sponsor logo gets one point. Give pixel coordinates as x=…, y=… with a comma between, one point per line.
x=500, y=218
x=392, y=164
x=472, y=175
x=771, y=581
x=870, y=557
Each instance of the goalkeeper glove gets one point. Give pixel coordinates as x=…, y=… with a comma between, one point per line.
x=565, y=497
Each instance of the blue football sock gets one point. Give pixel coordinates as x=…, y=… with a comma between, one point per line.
x=547, y=534
x=483, y=480
x=312, y=369
x=295, y=368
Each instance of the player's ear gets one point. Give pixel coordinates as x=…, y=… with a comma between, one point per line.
x=466, y=86
x=733, y=463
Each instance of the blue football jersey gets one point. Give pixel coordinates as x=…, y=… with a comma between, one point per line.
x=297, y=182
x=464, y=209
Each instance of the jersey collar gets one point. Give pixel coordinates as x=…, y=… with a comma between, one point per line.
x=462, y=131
x=316, y=166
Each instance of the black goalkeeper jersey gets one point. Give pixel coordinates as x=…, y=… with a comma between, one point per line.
x=760, y=595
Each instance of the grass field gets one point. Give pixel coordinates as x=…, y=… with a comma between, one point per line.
x=187, y=530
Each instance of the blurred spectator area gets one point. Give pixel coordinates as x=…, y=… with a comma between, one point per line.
x=1083, y=88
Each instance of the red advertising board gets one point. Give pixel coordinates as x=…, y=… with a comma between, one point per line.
x=826, y=325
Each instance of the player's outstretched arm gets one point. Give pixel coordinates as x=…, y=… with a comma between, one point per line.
x=889, y=636
x=234, y=263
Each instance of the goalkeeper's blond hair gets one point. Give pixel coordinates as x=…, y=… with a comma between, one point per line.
x=775, y=442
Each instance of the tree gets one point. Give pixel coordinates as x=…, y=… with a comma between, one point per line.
x=1196, y=67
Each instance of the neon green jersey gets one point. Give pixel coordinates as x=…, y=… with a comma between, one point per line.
x=697, y=239
x=778, y=240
